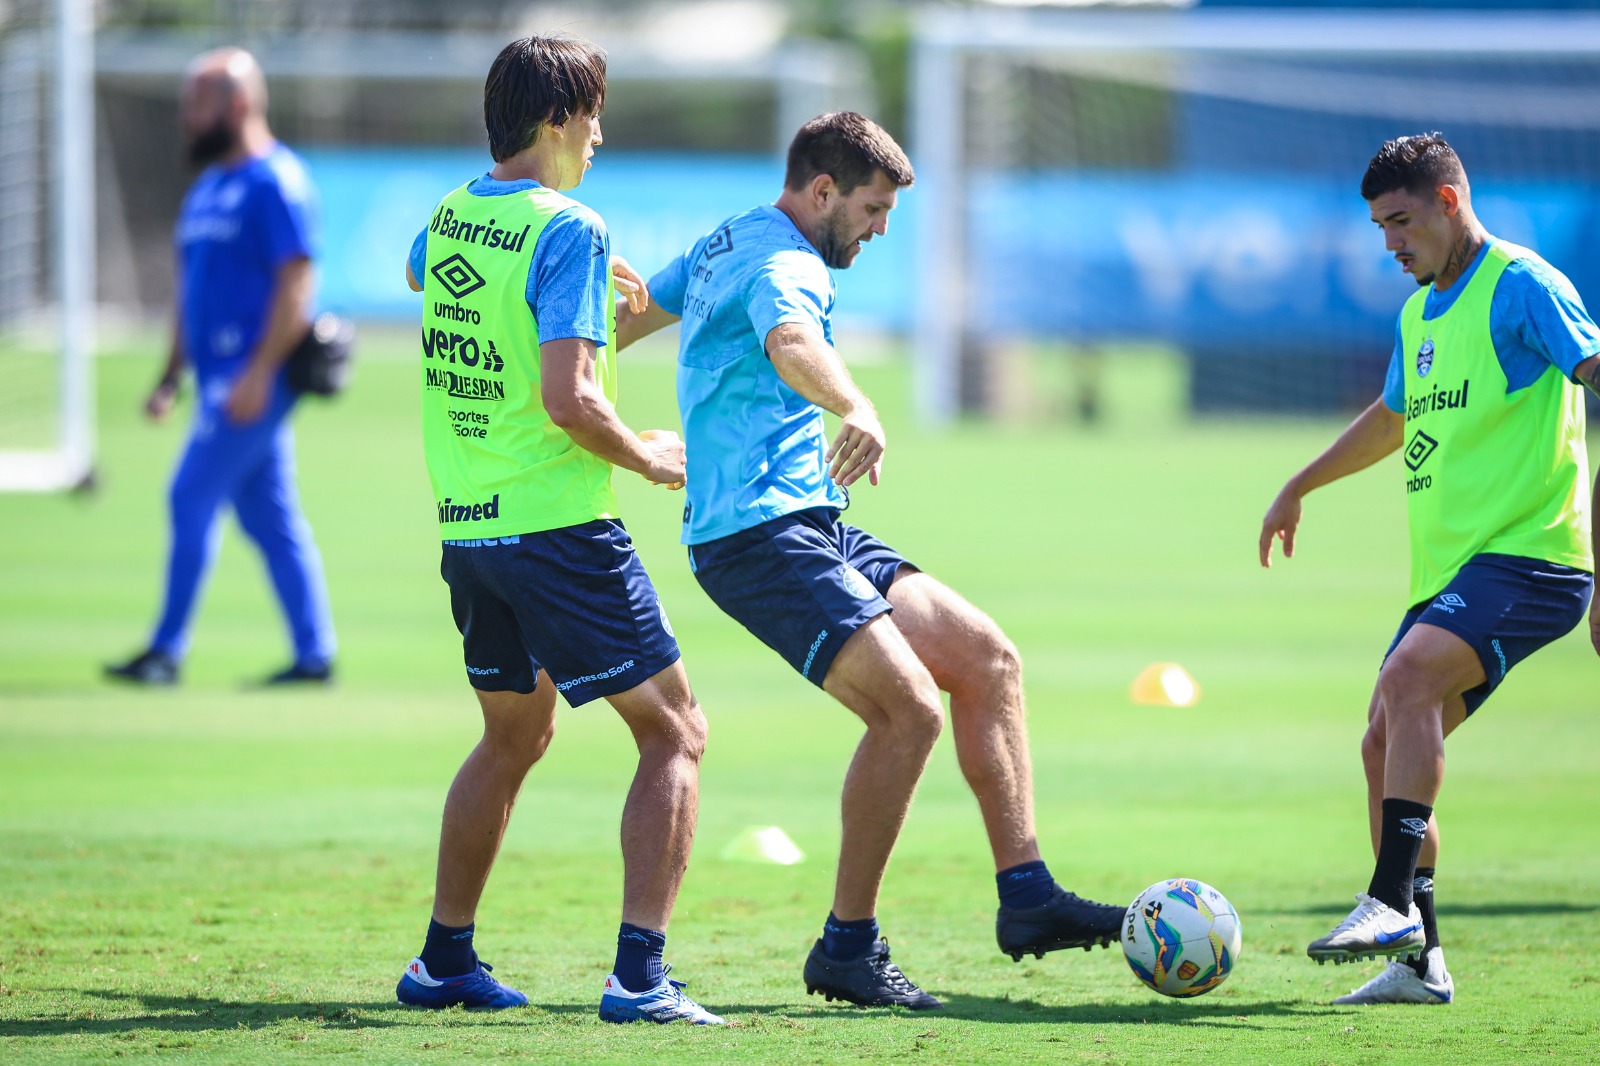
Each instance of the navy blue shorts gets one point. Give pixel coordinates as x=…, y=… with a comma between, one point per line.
x=801, y=583
x=575, y=601
x=1506, y=607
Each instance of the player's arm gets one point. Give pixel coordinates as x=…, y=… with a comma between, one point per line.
x=634, y=326
x=1375, y=433
x=411, y=278
x=811, y=367
x=164, y=396
x=575, y=403
x=287, y=319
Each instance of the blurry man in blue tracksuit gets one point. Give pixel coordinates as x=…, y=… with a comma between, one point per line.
x=245, y=239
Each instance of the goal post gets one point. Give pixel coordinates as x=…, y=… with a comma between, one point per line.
x=47, y=202
x=1090, y=179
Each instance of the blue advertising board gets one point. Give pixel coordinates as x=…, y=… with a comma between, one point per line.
x=1202, y=257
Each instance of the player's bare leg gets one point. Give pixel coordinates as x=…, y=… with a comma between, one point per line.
x=971, y=658
x=658, y=819
x=517, y=729
x=1417, y=703
x=1424, y=979
x=658, y=822
x=876, y=675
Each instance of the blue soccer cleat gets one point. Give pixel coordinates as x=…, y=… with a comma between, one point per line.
x=474, y=991
x=663, y=1003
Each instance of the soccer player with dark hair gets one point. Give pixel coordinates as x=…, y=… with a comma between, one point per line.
x=520, y=432
x=756, y=370
x=1482, y=399
x=245, y=240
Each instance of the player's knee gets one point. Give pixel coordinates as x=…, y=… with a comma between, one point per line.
x=675, y=730
x=1403, y=682
x=985, y=662
x=522, y=741
x=1005, y=661
x=922, y=719
x=690, y=728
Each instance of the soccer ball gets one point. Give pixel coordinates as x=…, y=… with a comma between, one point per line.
x=1181, y=937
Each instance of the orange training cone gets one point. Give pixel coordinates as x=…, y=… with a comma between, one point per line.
x=1164, y=685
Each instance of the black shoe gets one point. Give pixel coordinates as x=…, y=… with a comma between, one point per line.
x=302, y=673
x=147, y=668
x=1067, y=921
x=870, y=981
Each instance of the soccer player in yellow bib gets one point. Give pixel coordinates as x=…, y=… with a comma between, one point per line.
x=1482, y=400
x=520, y=434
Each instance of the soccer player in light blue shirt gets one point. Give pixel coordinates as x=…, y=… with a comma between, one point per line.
x=245, y=240
x=756, y=371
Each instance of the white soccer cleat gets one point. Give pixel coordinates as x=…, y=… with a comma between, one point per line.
x=1373, y=930
x=662, y=1004
x=1399, y=983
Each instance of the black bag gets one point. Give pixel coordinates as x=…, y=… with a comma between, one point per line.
x=321, y=362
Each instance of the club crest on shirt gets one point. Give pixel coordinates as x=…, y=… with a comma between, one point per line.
x=1425, y=358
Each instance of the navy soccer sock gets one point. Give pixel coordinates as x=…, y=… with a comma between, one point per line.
x=448, y=950
x=1027, y=884
x=848, y=940
x=1403, y=825
x=639, y=952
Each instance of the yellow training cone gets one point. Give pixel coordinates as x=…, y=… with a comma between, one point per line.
x=763, y=844
x=1164, y=685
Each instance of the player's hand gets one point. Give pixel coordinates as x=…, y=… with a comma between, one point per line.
x=1594, y=625
x=630, y=284
x=1281, y=521
x=857, y=449
x=159, y=404
x=248, y=400
x=666, y=457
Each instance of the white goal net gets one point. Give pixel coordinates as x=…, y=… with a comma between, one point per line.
x=1095, y=179
x=47, y=206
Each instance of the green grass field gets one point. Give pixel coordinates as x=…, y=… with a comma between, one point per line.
x=224, y=875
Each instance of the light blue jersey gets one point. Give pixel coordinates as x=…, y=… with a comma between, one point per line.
x=1536, y=321
x=755, y=446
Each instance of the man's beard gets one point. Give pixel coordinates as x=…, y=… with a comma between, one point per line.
x=835, y=246
x=211, y=144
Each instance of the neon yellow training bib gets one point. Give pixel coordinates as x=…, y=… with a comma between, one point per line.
x=1486, y=471
x=499, y=466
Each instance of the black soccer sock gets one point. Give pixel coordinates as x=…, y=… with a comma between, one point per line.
x=848, y=940
x=639, y=952
x=1027, y=884
x=448, y=950
x=1403, y=826
x=1422, y=893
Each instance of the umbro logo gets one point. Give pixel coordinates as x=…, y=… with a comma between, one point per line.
x=721, y=241
x=1450, y=599
x=1419, y=449
x=1414, y=826
x=457, y=276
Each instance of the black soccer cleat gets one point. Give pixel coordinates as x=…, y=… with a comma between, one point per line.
x=870, y=981
x=1067, y=921
x=147, y=668
x=302, y=673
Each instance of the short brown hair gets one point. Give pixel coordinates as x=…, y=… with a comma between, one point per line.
x=540, y=81
x=847, y=147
